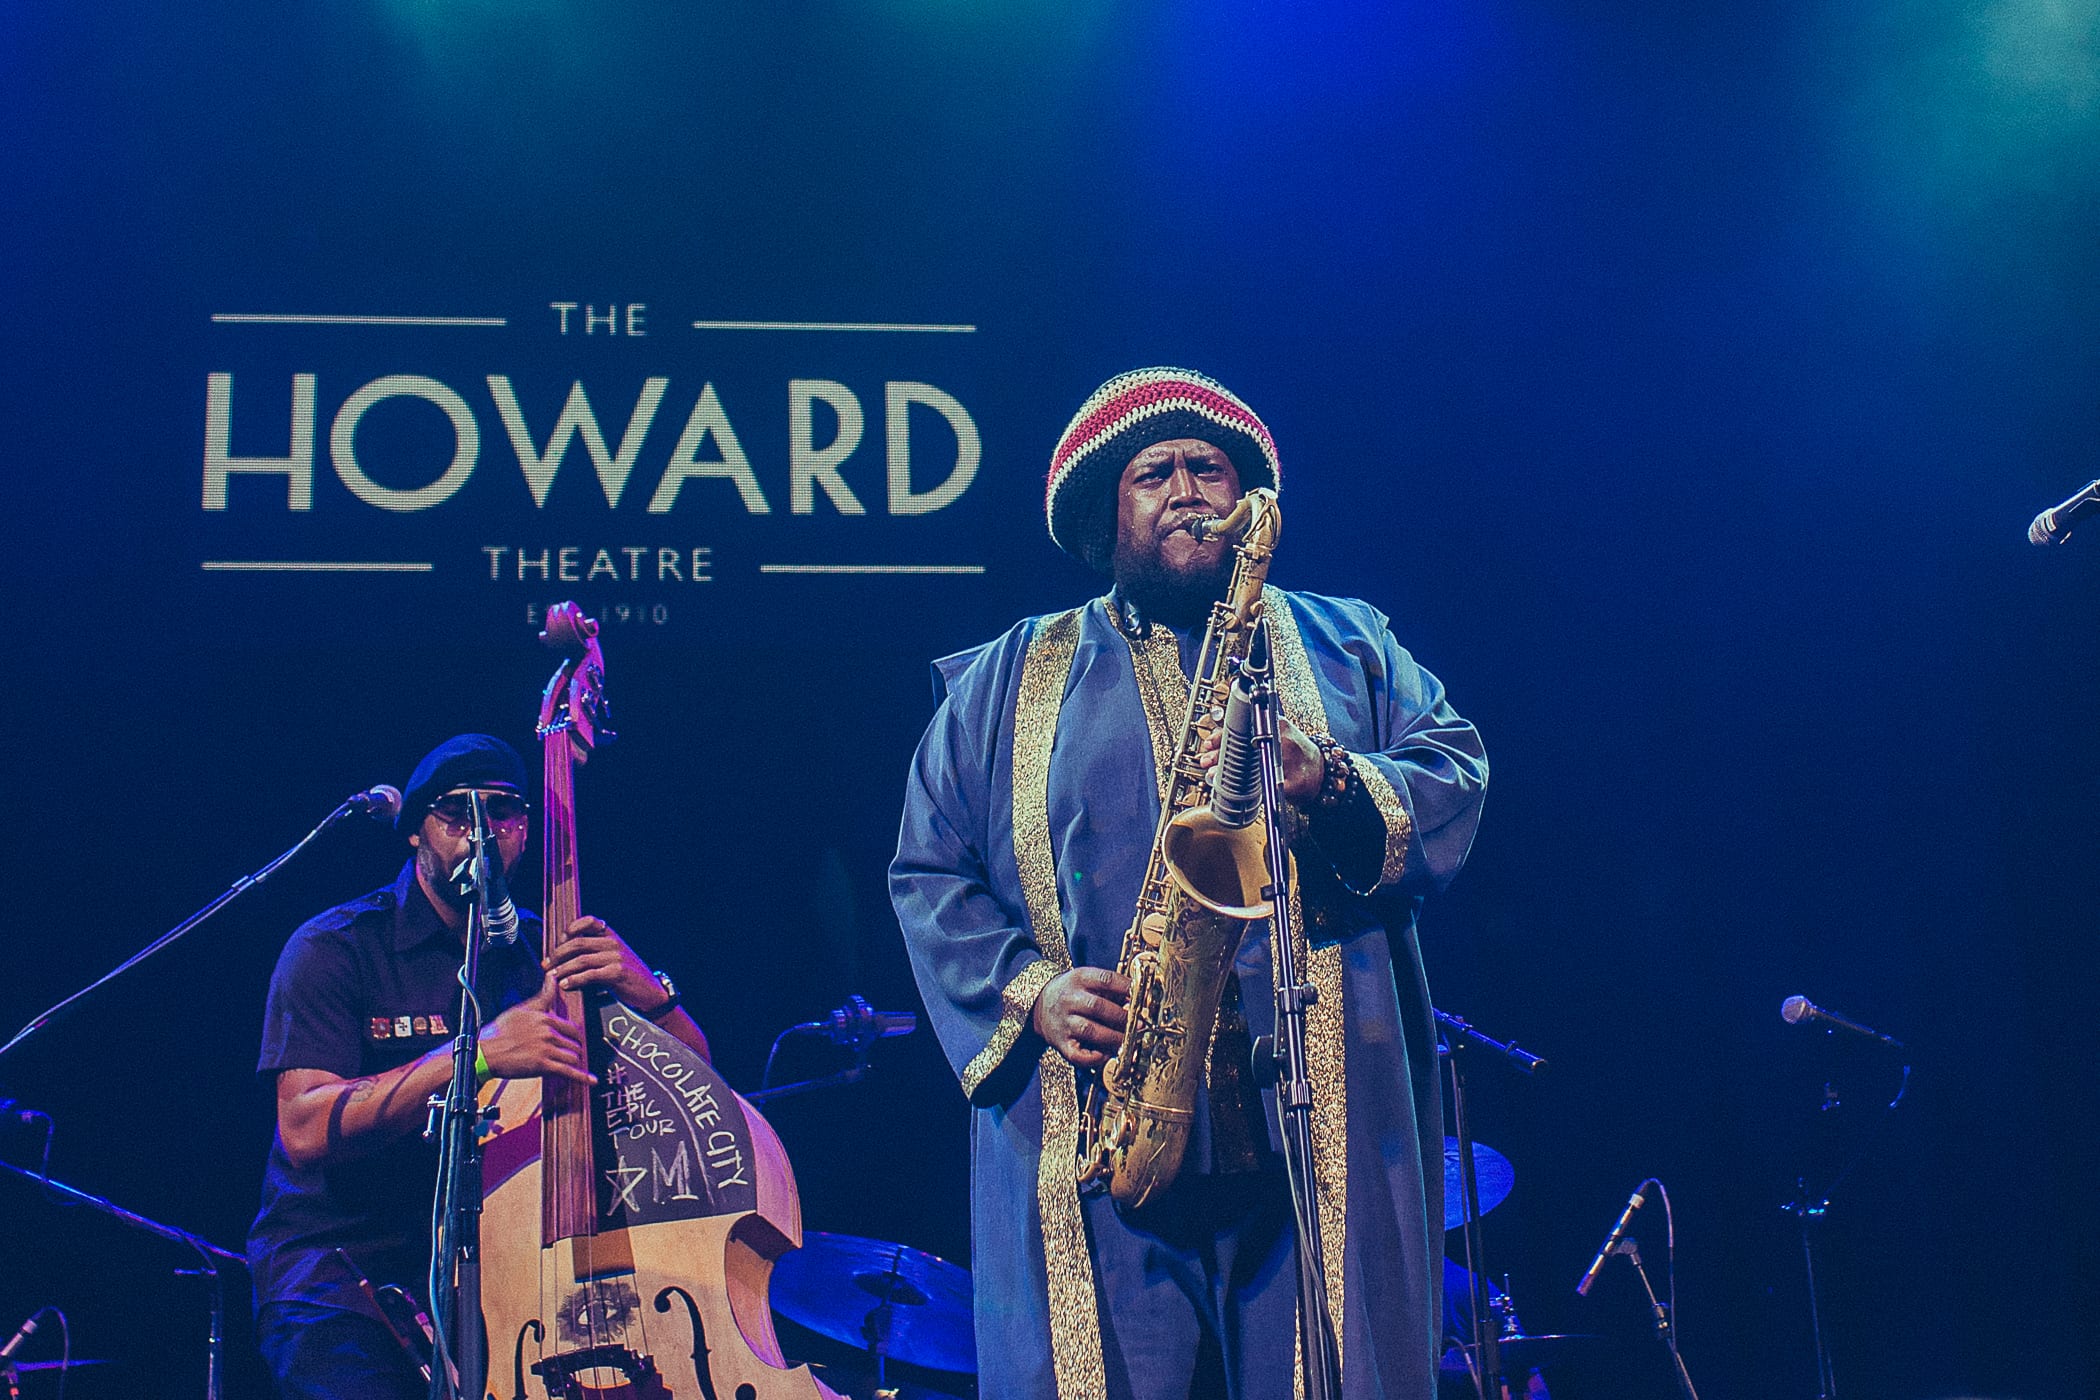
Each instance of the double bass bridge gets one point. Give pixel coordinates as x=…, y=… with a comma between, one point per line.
x=578, y=1374
x=563, y=1375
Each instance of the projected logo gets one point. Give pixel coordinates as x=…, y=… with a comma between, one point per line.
x=569, y=450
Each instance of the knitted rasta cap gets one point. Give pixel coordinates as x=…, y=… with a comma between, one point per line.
x=1121, y=419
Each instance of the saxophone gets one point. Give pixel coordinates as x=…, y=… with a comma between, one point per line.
x=1206, y=881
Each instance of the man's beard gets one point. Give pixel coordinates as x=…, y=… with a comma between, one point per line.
x=439, y=879
x=1161, y=593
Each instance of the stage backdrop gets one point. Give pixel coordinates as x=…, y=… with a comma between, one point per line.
x=1680, y=383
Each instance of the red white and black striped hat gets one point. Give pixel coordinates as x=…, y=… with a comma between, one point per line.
x=1124, y=417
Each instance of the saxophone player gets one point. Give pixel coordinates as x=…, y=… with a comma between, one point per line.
x=1025, y=844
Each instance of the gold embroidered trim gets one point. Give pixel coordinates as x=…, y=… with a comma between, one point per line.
x=1298, y=1349
x=1017, y=1002
x=1165, y=693
x=1075, y=1319
x=1398, y=825
x=1295, y=684
x=1324, y=1049
x=1300, y=693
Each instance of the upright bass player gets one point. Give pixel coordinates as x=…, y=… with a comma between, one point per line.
x=357, y=1037
x=1025, y=846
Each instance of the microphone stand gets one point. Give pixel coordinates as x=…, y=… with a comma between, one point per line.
x=851, y=1075
x=233, y=892
x=459, y=1369
x=876, y=1327
x=1294, y=1096
x=1484, y=1359
x=209, y=1258
x=1810, y=1209
x=1665, y=1332
x=852, y=1027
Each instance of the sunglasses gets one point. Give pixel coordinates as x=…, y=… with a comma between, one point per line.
x=508, y=812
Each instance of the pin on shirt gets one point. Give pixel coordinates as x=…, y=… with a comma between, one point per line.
x=404, y=1027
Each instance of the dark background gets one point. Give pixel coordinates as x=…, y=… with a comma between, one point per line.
x=1681, y=383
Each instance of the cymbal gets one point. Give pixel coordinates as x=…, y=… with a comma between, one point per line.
x=836, y=1285
x=1490, y=1168
x=1521, y=1353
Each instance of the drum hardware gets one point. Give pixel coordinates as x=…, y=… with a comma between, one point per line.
x=209, y=1259
x=1457, y=1035
x=1508, y=1326
x=876, y=1327
x=888, y=1300
x=1521, y=1354
x=1493, y=1178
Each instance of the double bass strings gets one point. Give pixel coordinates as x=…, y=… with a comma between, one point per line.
x=568, y=1132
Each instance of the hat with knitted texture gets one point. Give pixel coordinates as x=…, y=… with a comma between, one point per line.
x=1121, y=419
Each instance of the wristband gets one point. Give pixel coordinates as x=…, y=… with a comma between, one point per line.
x=482, y=1072
x=1337, y=773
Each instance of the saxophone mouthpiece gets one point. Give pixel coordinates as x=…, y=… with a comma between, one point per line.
x=1228, y=525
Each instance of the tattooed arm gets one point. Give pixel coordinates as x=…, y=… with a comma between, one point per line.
x=324, y=1117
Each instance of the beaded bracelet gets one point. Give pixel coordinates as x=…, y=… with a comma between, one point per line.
x=1337, y=772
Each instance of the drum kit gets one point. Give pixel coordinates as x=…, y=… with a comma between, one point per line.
x=884, y=1303
x=872, y=1305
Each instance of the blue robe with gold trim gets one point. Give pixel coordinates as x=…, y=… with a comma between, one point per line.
x=1028, y=822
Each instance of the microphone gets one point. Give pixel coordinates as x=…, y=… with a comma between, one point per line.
x=1235, y=784
x=2053, y=526
x=381, y=803
x=1611, y=1241
x=1797, y=1011
x=502, y=926
x=22, y=1334
x=503, y=913
x=857, y=1023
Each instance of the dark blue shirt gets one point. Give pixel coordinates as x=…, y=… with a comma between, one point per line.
x=362, y=989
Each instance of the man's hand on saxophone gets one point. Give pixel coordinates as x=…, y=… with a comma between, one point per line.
x=1303, y=763
x=1080, y=1013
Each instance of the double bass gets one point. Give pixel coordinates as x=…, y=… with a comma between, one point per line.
x=630, y=1226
